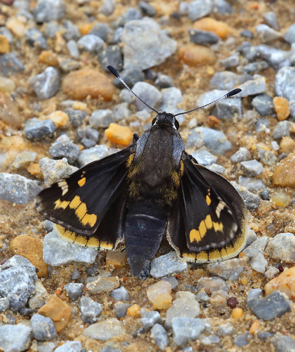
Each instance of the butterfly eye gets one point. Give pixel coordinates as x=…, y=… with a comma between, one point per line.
x=154, y=120
x=176, y=124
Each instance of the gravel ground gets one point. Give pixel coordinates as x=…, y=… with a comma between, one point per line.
x=61, y=108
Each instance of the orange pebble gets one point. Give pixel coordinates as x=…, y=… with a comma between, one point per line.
x=281, y=107
x=48, y=58
x=209, y=24
x=244, y=281
x=85, y=28
x=254, y=327
x=237, y=313
x=196, y=55
x=163, y=301
x=119, y=134
x=35, y=170
x=212, y=121
x=133, y=311
x=4, y=45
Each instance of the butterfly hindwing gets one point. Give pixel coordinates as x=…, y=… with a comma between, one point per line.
x=207, y=221
x=80, y=202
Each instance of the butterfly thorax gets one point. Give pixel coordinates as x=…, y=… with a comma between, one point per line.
x=150, y=173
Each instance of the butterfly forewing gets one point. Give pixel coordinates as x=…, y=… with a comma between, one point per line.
x=80, y=202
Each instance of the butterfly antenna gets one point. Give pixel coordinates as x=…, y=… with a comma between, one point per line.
x=116, y=74
x=229, y=94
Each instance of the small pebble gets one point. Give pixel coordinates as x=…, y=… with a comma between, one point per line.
x=251, y=168
x=149, y=319
x=242, y=340
x=105, y=330
x=281, y=107
x=263, y=104
x=159, y=334
x=209, y=24
x=90, y=310
x=119, y=134
x=289, y=35
x=196, y=55
x=46, y=11
x=76, y=116
x=241, y=155
x=8, y=341
x=266, y=34
x=69, y=346
x=43, y=328
x=96, y=153
x=202, y=37
x=120, y=294
x=271, y=19
x=283, y=343
x=46, y=84
x=259, y=263
x=74, y=290
x=237, y=313
x=35, y=38
x=283, y=283
x=186, y=329
x=232, y=302
x=167, y=264
x=225, y=329
x=121, y=309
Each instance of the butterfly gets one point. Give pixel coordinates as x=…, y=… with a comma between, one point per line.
x=151, y=188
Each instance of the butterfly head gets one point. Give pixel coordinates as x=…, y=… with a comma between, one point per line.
x=165, y=119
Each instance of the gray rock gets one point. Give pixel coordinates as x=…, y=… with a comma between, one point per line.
x=91, y=43
x=39, y=297
x=265, y=335
x=96, y=153
x=185, y=305
x=229, y=109
x=210, y=340
x=222, y=7
x=74, y=290
x=121, y=111
x=264, y=194
x=259, y=263
x=212, y=284
x=47, y=83
x=23, y=159
x=102, y=30
x=216, y=168
x=275, y=57
x=8, y=340
x=111, y=55
x=55, y=170
x=213, y=140
x=202, y=37
x=121, y=309
x=209, y=97
x=254, y=294
x=16, y=284
x=170, y=99
x=198, y=9
x=148, y=49
x=266, y=34
x=242, y=340
x=73, y=49
x=110, y=348
x=264, y=105
x=69, y=65
x=225, y=329
x=247, y=34
x=285, y=83
x=271, y=19
x=283, y=343
x=129, y=15
x=186, y=329
x=241, y=155
x=148, y=93
x=251, y=237
x=49, y=10
x=271, y=306
x=231, y=61
x=72, y=32
x=10, y=64
x=289, y=36
x=117, y=37
x=7, y=34
x=43, y=328
x=57, y=252
x=51, y=29
x=262, y=125
x=4, y=304
x=107, y=7
x=18, y=189
x=159, y=334
x=251, y=168
x=282, y=129
x=282, y=247
x=163, y=81
x=252, y=87
x=76, y=116
x=90, y=310
x=227, y=80
x=120, y=294
x=228, y=270
x=105, y=330
x=267, y=157
x=38, y=129
x=131, y=76
x=251, y=200
x=166, y=265
x=203, y=157
x=251, y=184
x=35, y=38
x=202, y=297
x=172, y=281
x=149, y=319
x=254, y=67
x=64, y=147
x=70, y=346
x=147, y=8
